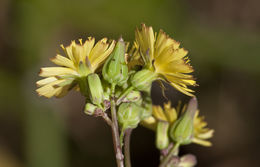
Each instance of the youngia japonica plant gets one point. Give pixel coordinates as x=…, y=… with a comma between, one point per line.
x=115, y=77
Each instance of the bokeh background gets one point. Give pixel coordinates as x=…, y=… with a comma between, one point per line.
x=223, y=39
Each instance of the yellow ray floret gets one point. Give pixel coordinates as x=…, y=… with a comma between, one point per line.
x=79, y=61
x=169, y=114
x=163, y=55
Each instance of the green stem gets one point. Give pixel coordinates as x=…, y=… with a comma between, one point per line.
x=173, y=152
x=128, y=133
x=124, y=94
x=115, y=132
x=122, y=137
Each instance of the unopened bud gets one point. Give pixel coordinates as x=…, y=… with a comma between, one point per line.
x=128, y=115
x=115, y=69
x=182, y=130
x=133, y=96
x=143, y=79
x=188, y=160
x=162, y=139
x=95, y=89
x=90, y=109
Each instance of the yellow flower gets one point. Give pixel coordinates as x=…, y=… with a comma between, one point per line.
x=79, y=61
x=162, y=55
x=169, y=114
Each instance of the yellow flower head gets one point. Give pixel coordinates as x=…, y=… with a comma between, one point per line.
x=169, y=114
x=162, y=54
x=79, y=61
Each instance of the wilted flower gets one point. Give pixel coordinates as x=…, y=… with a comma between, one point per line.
x=79, y=61
x=169, y=114
x=163, y=56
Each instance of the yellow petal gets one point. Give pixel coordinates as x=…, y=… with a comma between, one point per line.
x=100, y=52
x=62, y=91
x=201, y=142
x=55, y=71
x=158, y=113
x=171, y=114
x=146, y=39
x=149, y=122
x=182, y=89
x=88, y=46
x=48, y=90
x=45, y=81
x=206, y=135
x=68, y=51
x=77, y=52
x=163, y=42
x=63, y=61
x=180, y=81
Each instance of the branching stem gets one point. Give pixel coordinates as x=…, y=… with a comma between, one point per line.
x=115, y=132
x=174, y=152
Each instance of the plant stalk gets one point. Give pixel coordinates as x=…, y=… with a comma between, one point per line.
x=128, y=133
x=115, y=132
x=173, y=152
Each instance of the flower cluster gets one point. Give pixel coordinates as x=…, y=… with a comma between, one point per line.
x=170, y=115
x=113, y=76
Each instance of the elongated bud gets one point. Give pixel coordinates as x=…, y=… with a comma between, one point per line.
x=90, y=109
x=95, y=89
x=143, y=79
x=115, y=69
x=182, y=130
x=162, y=139
x=128, y=115
x=188, y=160
x=133, y=96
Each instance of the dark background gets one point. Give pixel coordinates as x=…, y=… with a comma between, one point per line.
x=222, y=37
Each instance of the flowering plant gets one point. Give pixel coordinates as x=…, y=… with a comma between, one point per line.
x=112, y=76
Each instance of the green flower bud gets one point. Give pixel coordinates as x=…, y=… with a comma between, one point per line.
x=115, y=69
x=128, y=115
x=143, y=79
x=95, y=89
x=188, y=160
x=162, y=139
x=90, y=109
x=133, y=96
x=182, y=130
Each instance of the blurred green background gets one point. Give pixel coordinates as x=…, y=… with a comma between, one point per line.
x=223, y=39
